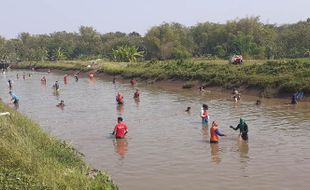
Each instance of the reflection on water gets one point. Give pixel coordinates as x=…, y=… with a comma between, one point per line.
x=121, y=147
x=215, y=155
x=120, y=109
x=166, y=150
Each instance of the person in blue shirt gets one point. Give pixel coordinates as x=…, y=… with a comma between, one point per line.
x=14, y=98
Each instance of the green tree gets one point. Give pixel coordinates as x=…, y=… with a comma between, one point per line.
x=127, y=54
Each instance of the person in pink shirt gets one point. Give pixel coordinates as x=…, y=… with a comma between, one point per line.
x=120, y=129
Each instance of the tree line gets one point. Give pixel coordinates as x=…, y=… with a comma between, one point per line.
x=247, y=36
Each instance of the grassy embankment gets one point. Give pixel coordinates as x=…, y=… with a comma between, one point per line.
x=31, y=159
x=270, y=77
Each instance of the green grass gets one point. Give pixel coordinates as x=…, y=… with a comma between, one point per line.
x=31, y=159
x=282, y=76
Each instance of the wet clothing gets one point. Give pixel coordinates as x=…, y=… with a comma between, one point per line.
x=215, y=133
x=204, y=116
x=120, y=99
x=243, y=127
x=14, y=98
x=136, y=95
x=120, y=130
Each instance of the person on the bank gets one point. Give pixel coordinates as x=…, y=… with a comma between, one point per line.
x=188, y=109
x=120, y=129
x=215, y=133
x=243, y=127
x=294, y=99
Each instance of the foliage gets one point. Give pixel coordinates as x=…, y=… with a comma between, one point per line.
x=127, y=54
x=247, y=36
x=30, y=159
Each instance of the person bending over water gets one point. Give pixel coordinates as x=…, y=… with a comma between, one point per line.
x=243, y=127
x=188, y=109
x=215, y=133
x=61, y=104
x=120, y=129
x=14, y=98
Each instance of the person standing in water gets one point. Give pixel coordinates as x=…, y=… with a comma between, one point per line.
x=215, y=133
x=204, y=115
x=10, y=83
x=136, y=94
x=66, y=78
x=56, y=86
x=43, y=80
x=76, y=77
x=119, y=99
x=120, y=129
x=243, y=127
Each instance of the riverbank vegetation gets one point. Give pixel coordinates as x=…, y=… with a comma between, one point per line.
x=271, y=78
x=247, y=36
x=31, y=159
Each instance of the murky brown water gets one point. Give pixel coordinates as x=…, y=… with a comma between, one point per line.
x=166, y=148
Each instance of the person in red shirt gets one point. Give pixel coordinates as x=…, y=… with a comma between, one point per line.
x=120, y=129
x=119, y=98
x=66, y=78
x=133, y=82
x=136, y=94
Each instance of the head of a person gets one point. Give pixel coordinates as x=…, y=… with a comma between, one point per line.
x=214, y=124
x=62, y=101
x=242, y=121
x=137, y=90
x=205, y=106
x=119, y=119
x=10, y=92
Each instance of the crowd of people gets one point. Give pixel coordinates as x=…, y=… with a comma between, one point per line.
x=121, y=129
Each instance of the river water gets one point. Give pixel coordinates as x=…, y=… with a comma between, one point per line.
x=166, y=148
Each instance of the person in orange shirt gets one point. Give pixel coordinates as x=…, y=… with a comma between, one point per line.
x=120, y=129
x=215, y=133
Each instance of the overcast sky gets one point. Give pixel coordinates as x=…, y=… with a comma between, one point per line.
x=47, y=16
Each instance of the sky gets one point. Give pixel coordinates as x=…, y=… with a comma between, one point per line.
x=48, y=16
